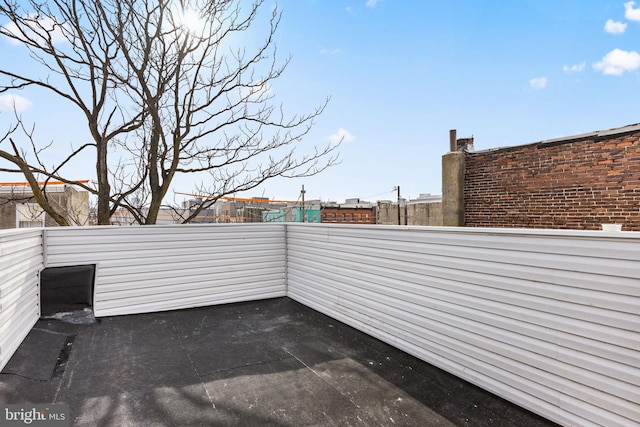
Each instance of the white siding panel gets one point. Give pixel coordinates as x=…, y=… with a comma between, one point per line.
x=155, y=268
x=21, y=260
x=547, y=319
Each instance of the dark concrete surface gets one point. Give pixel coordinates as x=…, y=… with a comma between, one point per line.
x=263, y=363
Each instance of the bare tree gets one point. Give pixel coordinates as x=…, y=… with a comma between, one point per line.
x=165, y=90
x=39, y=194
x=73, y=206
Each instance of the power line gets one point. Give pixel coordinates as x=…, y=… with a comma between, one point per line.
x=393, y=190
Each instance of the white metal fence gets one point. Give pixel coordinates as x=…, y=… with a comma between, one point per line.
x=21, y=261
x=146, y=269
x=549, y=320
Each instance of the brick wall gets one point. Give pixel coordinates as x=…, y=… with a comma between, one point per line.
x=571, y=184
x=346, y=215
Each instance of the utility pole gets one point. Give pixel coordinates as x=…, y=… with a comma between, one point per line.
x=398, y=188
x=302, y=193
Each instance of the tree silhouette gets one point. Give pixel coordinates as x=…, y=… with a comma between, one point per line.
x=167, y=88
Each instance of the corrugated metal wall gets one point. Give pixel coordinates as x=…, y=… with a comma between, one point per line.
x=547, y=319
x=21, y=260
x=154, y=268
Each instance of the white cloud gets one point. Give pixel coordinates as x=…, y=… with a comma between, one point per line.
x=8, y=102
x=36, y=29
x=371, y=3
x=341, y=135
x=618, y=61
x=329, y=51
x=630, y=12
x=538, y=83
x=10, y=28
x=576, y=68
x=614, y=27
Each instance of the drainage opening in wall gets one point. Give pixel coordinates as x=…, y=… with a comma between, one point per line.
x=66, y=293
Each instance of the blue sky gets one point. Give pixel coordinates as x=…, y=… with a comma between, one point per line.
x=400, y=74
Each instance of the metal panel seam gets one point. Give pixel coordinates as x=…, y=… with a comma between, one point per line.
x=286, y=259
x=44, y=248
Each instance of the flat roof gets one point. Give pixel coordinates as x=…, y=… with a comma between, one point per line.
x=263, y=363
x=599, y=134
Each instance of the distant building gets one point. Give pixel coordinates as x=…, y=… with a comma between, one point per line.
x=310, y=215
x=274, y=215
x=19, y=209
x=427, y=198
x=352, y=211
x=242, y=210
x=426, y=210
x=227, y=211
x=294, y=212
x=250, y=213
x=205, y=216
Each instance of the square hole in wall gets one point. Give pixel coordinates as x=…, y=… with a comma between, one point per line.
x=65, y=289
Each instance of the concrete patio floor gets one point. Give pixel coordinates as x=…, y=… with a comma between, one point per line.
x=263, y=363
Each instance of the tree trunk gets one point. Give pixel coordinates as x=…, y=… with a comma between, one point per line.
x=35, y=188
x=104, y=189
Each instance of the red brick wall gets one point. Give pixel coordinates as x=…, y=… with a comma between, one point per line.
x=349, y=215
x=570, y=185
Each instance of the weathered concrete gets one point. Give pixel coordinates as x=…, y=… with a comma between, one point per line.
x=453, y=189
x=264, y=363
x=412, y=213
x=388, y=214
x=424, y=213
